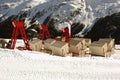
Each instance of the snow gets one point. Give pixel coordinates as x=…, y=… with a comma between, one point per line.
x=102, y=8
x=31, y=65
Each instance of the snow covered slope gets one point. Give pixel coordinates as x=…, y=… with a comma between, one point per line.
x=40, y=9
x=103, y=7
x=27, y=65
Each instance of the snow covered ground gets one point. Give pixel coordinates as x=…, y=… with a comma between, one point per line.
x=31, y=65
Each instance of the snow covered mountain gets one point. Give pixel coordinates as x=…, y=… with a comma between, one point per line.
x=103, y=7
x=82, y=13
x=63, y=10
x=40, y=9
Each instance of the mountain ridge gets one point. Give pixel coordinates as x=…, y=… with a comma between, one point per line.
x=55, y=13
